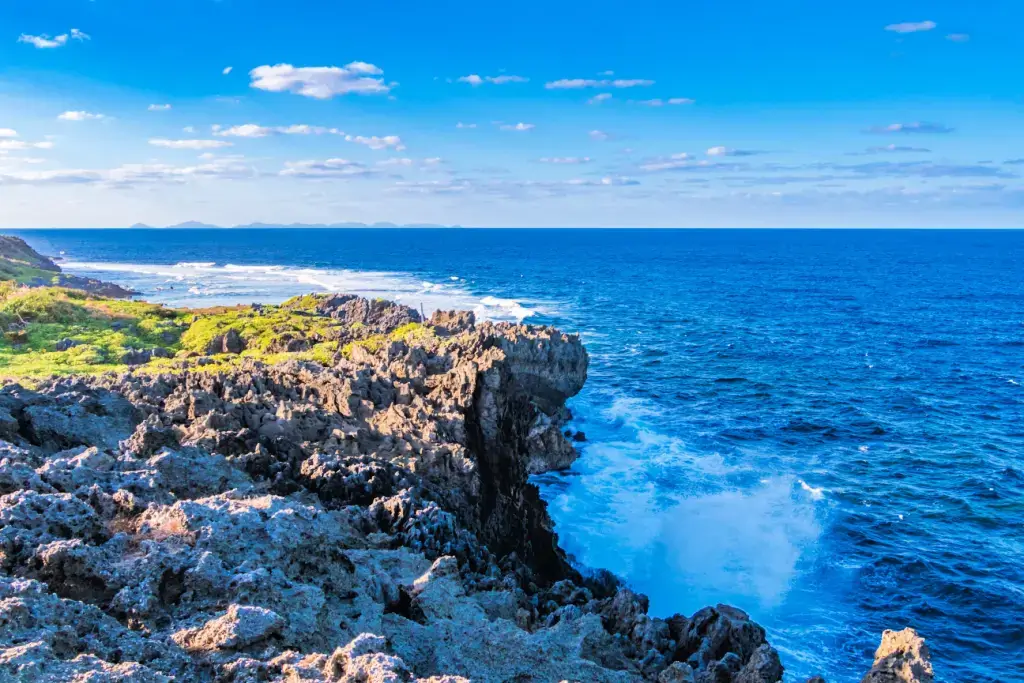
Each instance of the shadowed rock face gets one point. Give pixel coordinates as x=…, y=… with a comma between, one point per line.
x=370, y=521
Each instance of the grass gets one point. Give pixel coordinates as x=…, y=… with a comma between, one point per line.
x=24, y=274
x=413, y=334
x=264, y=330
x=19, y=263
x=101, y=331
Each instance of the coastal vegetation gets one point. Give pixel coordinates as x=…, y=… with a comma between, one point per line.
x=60, y=331
x=93, y=328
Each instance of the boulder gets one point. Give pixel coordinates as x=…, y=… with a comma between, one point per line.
x=902, y=657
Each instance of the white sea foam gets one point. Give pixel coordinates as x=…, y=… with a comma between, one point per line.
x=686, y=527
x=235, y=283
x=816, y=493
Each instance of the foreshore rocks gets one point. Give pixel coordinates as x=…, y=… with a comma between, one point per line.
x=370, y=521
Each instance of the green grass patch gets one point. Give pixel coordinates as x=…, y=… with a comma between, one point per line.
x=264, y=331
x=60, y=331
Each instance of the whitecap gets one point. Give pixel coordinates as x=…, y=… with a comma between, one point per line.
x=232, y=283
x=816, y=493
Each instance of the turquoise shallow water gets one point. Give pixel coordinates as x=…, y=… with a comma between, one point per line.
x=825, y=428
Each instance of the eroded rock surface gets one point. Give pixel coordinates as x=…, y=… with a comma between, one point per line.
x=370, y=521
x=902, y=657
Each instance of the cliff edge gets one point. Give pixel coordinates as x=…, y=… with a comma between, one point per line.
x=357, y=510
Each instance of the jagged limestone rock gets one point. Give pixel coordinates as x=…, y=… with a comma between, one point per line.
x=368, y=520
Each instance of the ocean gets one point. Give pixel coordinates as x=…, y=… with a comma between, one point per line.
x=824, y=428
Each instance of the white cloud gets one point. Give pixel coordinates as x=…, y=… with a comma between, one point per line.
x=518, y=126
x=19, y=145
x=730, y=152
x=915, y=127
x=248, y=130
x=227, y=70
x=676, y=161
x=45, y=42
x=159, y=107
x=188, y=129
x=506, y=78
x=565, y=160
x=320, y=82
x=672, y=101
x=576, y=83
x=895, y=148
x=251, y=130
x=407, y=162
x=460, y=124
x=8, y=133
x=374, y=142
x=80, y=116
x=606, y=73
x=12, y=161
x=959, y=37
x=599, y=135
x=911, y=26
x=475, y=79
x=189, y=144
x=132, y=174
x=598, y=99
x=328, y=168
x=616, y=181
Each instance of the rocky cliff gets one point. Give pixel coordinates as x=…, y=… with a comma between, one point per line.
x=366, y=518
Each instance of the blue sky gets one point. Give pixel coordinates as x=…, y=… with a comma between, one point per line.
x=696, y=113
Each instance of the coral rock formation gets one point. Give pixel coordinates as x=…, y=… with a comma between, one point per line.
x=370, y=519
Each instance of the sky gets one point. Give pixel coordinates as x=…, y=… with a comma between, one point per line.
x=691, y=113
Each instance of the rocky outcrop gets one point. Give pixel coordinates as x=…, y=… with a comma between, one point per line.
x=902, y=657
x=368, y=521
x=23, y=264
x=15, y=250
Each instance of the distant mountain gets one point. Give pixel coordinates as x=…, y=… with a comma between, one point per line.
x=193, y=225
x=141, y=226
x=196, y=225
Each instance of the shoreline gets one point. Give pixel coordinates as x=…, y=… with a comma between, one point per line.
x=418, y=448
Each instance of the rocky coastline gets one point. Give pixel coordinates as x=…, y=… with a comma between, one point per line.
x=361, y=516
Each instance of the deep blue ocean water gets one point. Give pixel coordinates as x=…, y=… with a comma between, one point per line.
x=825, y=428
